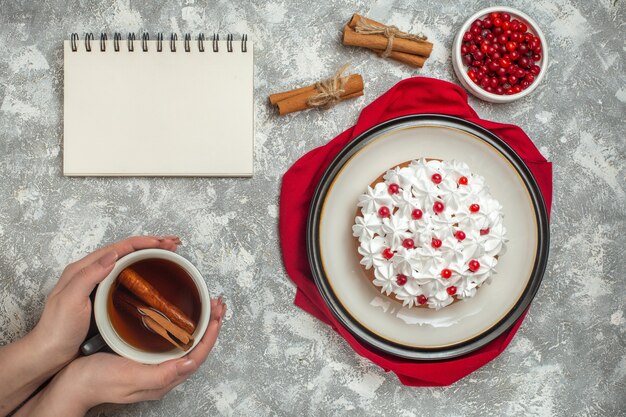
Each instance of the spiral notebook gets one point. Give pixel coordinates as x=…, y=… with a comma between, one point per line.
x=158, y=107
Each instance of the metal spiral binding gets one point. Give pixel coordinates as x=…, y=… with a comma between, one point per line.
x=103, y=42
x=145, y=37
x=88, y=39
x=173, y=39
x=73, y=40
x=131, y=42
x=187, y=42
x=201, y=42
x=117, y=37
x=159, y=42
x=229, y=42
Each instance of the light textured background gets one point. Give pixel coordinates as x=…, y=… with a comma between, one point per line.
x=569, y=357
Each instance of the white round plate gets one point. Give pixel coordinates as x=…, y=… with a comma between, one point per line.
x=423, y=333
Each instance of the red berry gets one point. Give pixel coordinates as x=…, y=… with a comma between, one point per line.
x=484, y=231
x=463, y=181
x=517, y=89
x=422, y=299
x=416, y=214
x=499, y=90
x=467, y=36
x=474, y=208
x=435, y=243
x=401, y=279
x=408, y=243
x=536, y=57
x=513, y=79
x=514, y=25
x=535, y=69
x=460, y=235
x=520, y=73
x=514, y=55
x=522, y=27
x=493, y=15
x=394, y=188
x=497, y=22
x=384, y=212
x=487, y=23
x=388, y=253
x=509, y=91
x=502, y=39
x=524, y=84
x=446, y=273
x=436, y=178
x=438, y=207
x=506, y=17
x=505, y=63
x=474, y=265
x=451, y=290
x=506, y=25
x=529, y=77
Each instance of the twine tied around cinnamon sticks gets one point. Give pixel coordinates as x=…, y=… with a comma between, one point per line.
x=330, y=90
x=387, y=41
x=388, y=31
x=323, y=94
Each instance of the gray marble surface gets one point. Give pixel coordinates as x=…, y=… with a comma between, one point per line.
x=569, y=357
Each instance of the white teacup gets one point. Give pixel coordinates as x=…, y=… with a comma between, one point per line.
x=109, y=337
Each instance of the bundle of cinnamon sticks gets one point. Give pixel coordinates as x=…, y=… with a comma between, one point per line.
x=322, y=94
x=156, y=312
x=387, y=41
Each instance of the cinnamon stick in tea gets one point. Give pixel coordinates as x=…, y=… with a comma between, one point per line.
x=296, y=100
x=143, y=290
x=379, y=42
x=157, y=323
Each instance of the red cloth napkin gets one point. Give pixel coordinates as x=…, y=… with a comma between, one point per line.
x=410, y=96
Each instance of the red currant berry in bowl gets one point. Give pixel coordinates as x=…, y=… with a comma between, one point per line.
x=494, y=52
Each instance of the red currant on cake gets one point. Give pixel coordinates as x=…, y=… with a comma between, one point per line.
x=474, y=265
x=448, y=245
x=401, y=279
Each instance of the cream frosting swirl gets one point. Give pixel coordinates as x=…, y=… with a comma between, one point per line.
x=438, y=236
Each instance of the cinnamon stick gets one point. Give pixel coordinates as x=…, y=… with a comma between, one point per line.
x=153, y=320
x=275, y=98
x=143, y=290
x=291, y=102
x=379, y=42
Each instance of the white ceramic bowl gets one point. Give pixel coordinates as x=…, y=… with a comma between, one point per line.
x=108, y=333
x=461, y=69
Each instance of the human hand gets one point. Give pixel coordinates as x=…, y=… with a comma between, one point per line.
x=65, y=320
x=107, y=378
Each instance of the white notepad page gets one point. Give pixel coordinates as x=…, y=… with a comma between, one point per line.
x=158, y=113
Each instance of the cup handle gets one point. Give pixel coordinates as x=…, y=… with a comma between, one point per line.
x=93, y=345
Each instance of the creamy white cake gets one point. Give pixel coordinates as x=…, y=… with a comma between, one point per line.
x=429, y=233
